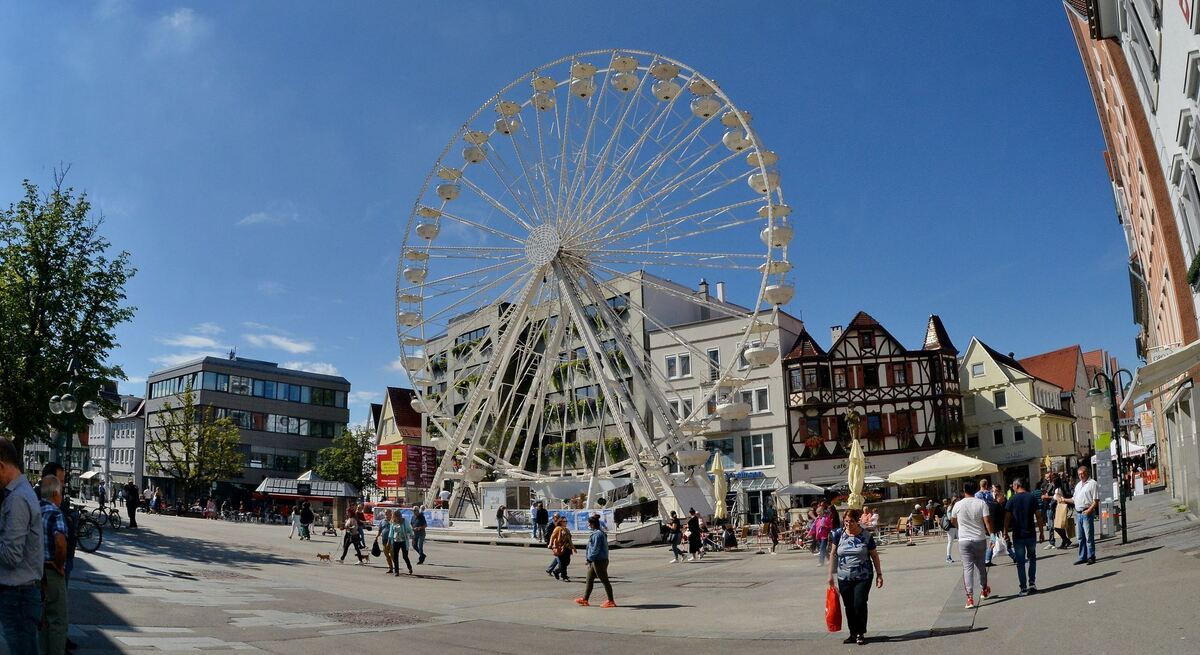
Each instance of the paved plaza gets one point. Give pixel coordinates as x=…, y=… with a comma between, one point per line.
x=186, y=585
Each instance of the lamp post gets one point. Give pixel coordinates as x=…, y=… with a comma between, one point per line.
x=64, y=405
x=1113, y=417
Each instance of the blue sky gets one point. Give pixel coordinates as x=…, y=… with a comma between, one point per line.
x=259, y=159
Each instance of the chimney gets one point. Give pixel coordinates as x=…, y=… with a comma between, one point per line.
x=721, y=291
x=702, y=290
x=835, y=333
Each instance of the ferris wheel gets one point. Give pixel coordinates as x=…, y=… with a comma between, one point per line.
x=549, y=241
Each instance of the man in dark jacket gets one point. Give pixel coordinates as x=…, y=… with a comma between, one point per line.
x=541, y=518
x=131, y=502
x=418, y=525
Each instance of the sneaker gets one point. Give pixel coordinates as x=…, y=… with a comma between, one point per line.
x=985, y=592
x=1032, y=588
x=1080, y=561
x=1091, y=561
x=674, y=560
x=607, y=604
x=1023, y=592
x=1049, y=546
x=949, y=561
x=582, y=601
x=850, y=639
x=970, y=603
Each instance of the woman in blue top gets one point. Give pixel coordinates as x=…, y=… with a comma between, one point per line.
x=854, y=561
x=401, y=533
x=385, y=537
x=597, y=561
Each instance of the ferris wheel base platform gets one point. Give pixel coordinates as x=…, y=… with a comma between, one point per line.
x=467, y=531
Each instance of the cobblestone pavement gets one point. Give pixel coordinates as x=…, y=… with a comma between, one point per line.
x=186, y=585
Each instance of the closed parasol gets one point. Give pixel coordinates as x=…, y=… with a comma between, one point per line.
x=720, y=488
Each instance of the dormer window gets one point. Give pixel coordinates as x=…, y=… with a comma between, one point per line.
x=866, y=340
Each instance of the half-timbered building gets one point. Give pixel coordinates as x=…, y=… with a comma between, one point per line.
x=909, y=400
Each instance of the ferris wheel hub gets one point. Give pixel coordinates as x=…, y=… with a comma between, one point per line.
x=543, y=245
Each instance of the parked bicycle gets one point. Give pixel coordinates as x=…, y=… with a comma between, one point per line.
x=107, y=516
x=88, y=533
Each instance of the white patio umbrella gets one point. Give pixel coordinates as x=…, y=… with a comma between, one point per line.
x=856, y=468
x=942, y=465
x=720, y=488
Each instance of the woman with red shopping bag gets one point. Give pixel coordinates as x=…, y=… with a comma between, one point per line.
x=854, y=563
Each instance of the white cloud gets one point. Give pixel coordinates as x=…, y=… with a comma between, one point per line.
x=175, y=359
x=365, y=397
x=178, y=32
x=269, y=218
x=324, y=368
x=271, y=288
x=261, y=326
x=208, y=328
x=191, y=341
x=293, y=346
x=134, y=379
x=397, y=365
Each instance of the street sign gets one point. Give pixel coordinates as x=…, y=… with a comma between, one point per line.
x=1128, y=422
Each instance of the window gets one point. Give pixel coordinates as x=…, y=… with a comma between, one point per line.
x=758, y=450
x=240, y=385
x=724, y=446
x=973, y=440
x=951, y=370
x=682, y=406
x=874, y=424
x=871, y=376
x=999, y=400
x=757, y=399
x=899, y=374
x=977, y=370
x=866, y=340
x=810, y=378
x=679, y=366
x=1018, y=435
x=839, y=377
x=714, y=364
x=998, y=437
x=813, y=426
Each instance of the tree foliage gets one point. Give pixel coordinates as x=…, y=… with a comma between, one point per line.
x=61, y=298
x=349, y=458
x=192, y=447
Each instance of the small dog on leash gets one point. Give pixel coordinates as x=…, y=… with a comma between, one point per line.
x=366, y=559
x=325, y=557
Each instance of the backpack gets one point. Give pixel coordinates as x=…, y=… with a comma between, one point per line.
x=945, y=522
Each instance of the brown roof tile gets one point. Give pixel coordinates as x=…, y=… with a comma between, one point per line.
x=1057, y=366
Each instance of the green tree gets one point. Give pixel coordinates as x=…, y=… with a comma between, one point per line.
x=61, y=298
x=349, y=458
x=192, y=447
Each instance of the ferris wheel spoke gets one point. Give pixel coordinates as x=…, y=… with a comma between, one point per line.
x=724, y=309
x=682, y=259
x=475, y=292
x=494, y=162
x=499, y=206
x=664, y=224
x=611, y=195
x=530, y=171
x=480, y=226
x=607, y=185
x=581, y=153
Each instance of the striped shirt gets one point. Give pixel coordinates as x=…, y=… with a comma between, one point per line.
x=52, y=524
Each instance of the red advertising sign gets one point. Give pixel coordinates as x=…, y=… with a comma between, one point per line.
x=422, y=466
x=390, y=466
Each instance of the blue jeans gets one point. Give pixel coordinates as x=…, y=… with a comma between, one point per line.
x=822, y=550
x=1049, y=513
x=20, y=612
x=418, y=544
x=987, y=557
x=1085, y=532
x=1025, y=550
x=675, y=540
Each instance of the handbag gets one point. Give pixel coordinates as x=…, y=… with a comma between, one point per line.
x=999, y=548
x=833, y=610
x=375, y=551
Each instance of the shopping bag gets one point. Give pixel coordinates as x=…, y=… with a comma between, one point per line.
x=833, y=610
x=999, y=548
x=375, y=551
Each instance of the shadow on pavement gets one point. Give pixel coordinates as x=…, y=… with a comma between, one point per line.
x=129, y=544
x=656, y=606
x=1067, y=585
x=1129, y=554
x=918, y=635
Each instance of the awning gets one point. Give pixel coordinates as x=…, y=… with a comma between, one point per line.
x=1128, y=449
x=568, y=487
x=842, y=483
x=317, y=488
x=1150, y=377
x=89, y=475
x=754, y=484
x=942, y=465
x=801, y=489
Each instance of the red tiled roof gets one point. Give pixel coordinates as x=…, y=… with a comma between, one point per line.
x=1094, y=358
x=805, y=346
x=1057, y=366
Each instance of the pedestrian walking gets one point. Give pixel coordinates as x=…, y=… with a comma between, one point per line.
x=64, y=507
x=1047, y=506
x=419, y=523
x=102, y=495
x=53, y=629
x=541, y=520
x=402, y=533
x=694, y=540
x=597, y=561
x=562, y=547
x=501, y=520
x=131, y=502
x=773, y=533
x=821, y=530
x=306, y=520
x=996, y=511
x=22, y=555
x=385, y=537
x=1020, y=530
x=350, y=537
x=1085, y=498
x=675, y=537
x=948, y=528
x=295, y=522
x=970, y=515
x=854, y=563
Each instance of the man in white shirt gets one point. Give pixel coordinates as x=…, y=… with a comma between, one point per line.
x=1086, y=499
x=974, y=522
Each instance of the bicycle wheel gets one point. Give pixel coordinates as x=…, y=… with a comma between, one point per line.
x=98, y=515
x=89, y=535
x=114, y=520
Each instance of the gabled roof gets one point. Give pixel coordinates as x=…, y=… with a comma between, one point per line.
x=1094, y=358
x=805, y=346
x=1003, y=359
x=936, y=337
x=864, y=320
x=376, y=411
x=1057, y=366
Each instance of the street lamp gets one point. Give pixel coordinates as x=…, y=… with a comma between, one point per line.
x=65, y=405
x=1112, y=404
